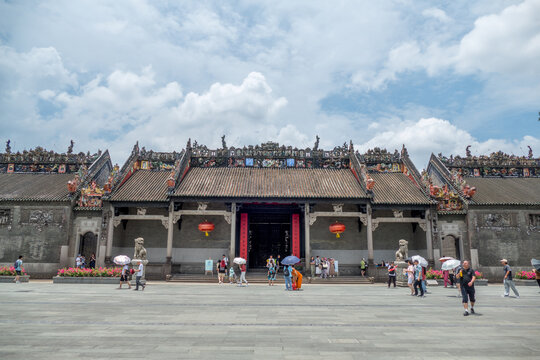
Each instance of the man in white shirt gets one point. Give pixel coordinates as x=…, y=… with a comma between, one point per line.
x=78, y=261
x=138, y=276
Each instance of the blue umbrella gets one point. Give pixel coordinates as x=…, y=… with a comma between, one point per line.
x=290, y=260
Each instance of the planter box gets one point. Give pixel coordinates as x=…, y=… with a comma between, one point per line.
x=523, y=282
x=10, y=279
x=85, y=280
x=481, y=282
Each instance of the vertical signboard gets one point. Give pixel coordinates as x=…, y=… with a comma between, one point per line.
x=244, y=236
x=296, y=235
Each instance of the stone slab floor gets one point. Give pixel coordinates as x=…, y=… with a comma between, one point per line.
x=41, y=320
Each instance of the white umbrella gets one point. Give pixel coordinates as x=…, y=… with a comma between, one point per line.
x=239, y=261
x=421, y=261
x=443, y=259
x=450, y=264
x=122, y=260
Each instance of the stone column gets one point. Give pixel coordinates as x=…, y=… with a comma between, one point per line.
x=307, y=240
x=369, y=236
x=429, y=244
x=170, y=232
x=110, y=233
x=232, y=253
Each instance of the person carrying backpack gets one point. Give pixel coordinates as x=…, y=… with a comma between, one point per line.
x=222, y=269
x=287, y=274
x=18, y=269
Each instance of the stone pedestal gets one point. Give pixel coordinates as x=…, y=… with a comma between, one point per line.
x=401, y=275
x=135, y=263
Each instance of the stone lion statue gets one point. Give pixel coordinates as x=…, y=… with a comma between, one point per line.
x=140, y=251
x=403, y=251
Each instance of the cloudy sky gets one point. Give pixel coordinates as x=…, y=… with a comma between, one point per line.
x=436, y=76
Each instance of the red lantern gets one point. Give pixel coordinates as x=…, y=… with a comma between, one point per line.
x=206, y=227
x=337, y=228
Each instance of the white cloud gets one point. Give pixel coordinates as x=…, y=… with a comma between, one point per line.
x=508, y=42
x=432, y=135
x=437, y=14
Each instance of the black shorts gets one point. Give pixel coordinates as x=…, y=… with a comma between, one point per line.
x=467, y=292
x=124, y=278
x=18, y=272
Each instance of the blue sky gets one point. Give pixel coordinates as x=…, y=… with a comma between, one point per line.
x=107, y=74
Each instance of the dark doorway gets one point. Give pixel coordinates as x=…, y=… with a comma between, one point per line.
x=88, y=245
x=269, y=234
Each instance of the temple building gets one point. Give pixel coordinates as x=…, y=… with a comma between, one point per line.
x=50, y=206
x=269, y=199
x=488, y=208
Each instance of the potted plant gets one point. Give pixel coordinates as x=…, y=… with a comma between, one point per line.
x=436, y=275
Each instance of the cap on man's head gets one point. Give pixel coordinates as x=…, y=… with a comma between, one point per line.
x=504, y=260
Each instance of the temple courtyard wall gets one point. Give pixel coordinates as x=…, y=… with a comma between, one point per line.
x=38, y=231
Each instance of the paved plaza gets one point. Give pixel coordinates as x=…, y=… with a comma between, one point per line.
x=41, y=320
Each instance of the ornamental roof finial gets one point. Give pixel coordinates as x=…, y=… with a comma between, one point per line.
x=70, y=147
x=8, y=147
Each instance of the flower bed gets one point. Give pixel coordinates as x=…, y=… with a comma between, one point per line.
x=434, y=274
x=525, y=275
x=10, y=271
x=100, y=272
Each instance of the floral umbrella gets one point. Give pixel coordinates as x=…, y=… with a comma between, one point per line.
x=421, y=261
x=239, y=261
x=450, y=264
x=122, y=260
x=443, y=259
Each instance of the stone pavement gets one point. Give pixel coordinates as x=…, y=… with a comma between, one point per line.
x=41, y=320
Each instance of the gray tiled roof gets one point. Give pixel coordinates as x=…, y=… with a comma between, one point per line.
x=505, y=191
x=397, y=188
x=270, y=183
x=143, y=185
x=34, y=187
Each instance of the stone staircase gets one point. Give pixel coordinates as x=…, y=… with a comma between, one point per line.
x=260, y=278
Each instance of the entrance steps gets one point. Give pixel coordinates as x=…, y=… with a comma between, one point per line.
x=260, y=278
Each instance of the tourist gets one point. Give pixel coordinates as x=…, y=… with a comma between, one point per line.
x=410, y=276
x=318, y=266
x=270, y=260
x=271, y=274
x=243, y=269
x=418, y=279
x=222, y=269
x=287, y=275
x=325, y=265
x=18, y=269
x=312, y=266
x=78, y=261
x=508, y=281
x=278, y=263
x=451, y=278
x=138, y=276
x=124, y=277
x=232, y=275
x=424, y=284
x=466, y=280
x=363, y=267
x=446, y=275
x=391, y=274
x=83, y=262
x=92, y=263
x=331, y=268
x=296, y=279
